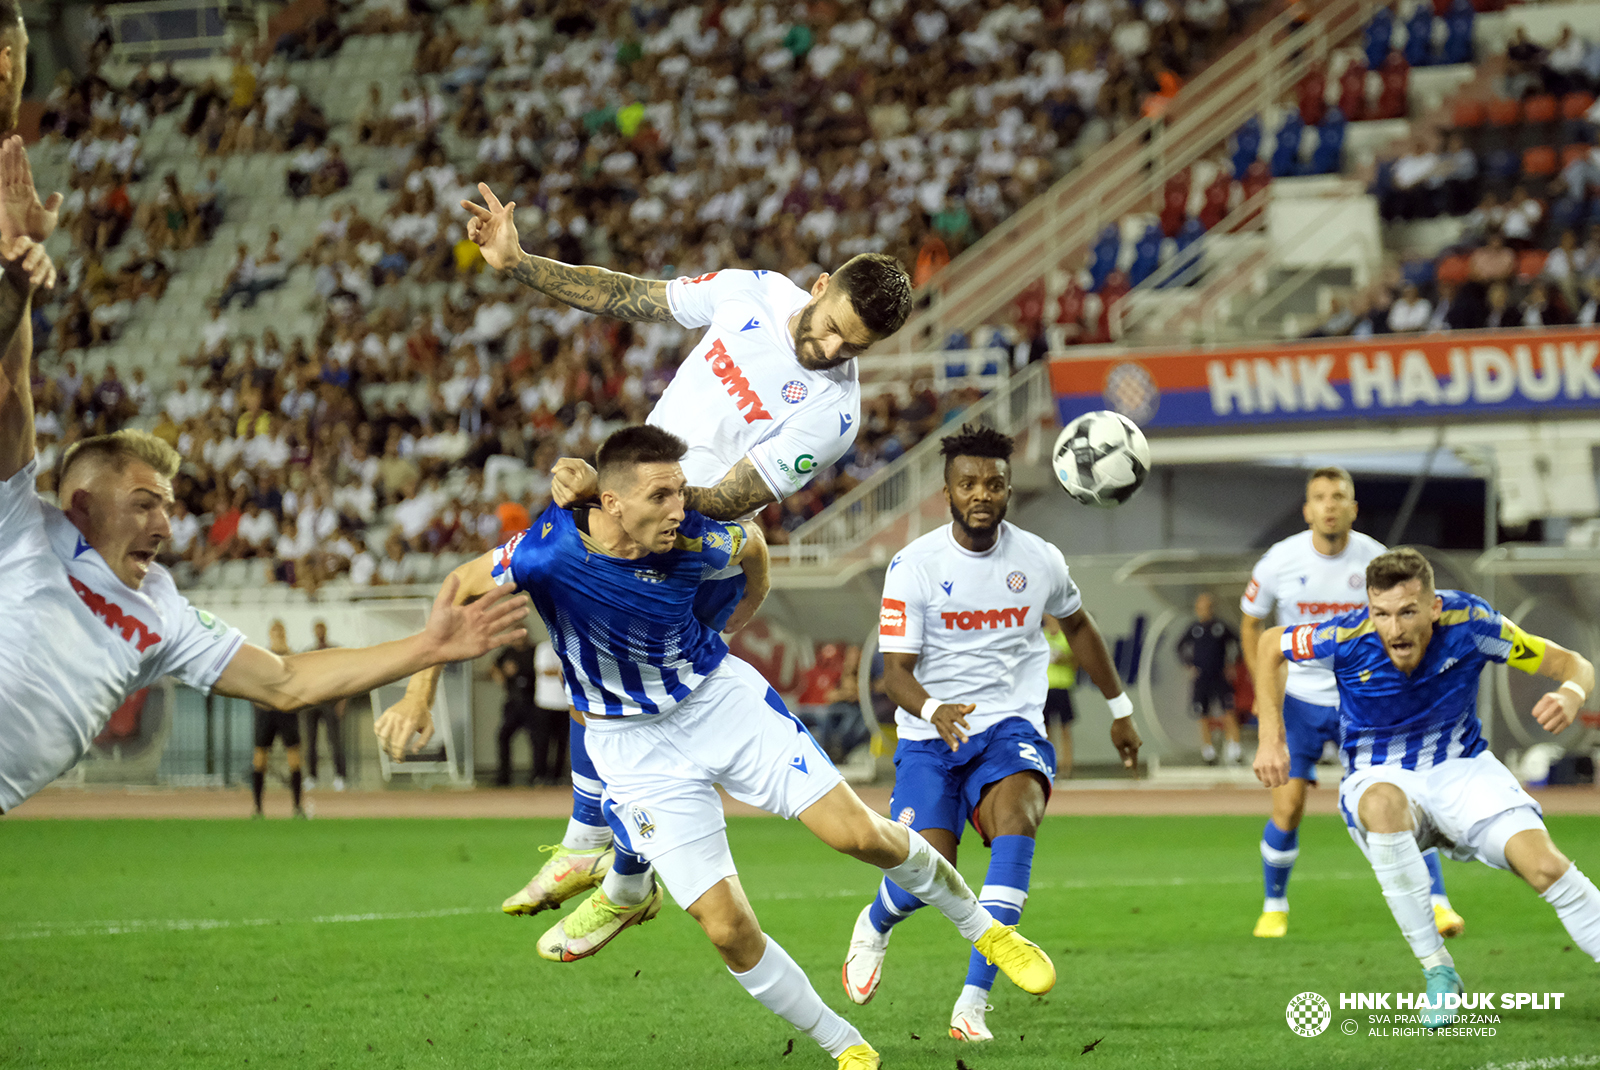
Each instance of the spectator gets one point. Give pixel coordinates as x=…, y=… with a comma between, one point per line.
x=1494, y=262
x=1411, y=312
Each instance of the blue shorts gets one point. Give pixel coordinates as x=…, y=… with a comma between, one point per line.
x=1307, y=728
x=715, y=600
x=939, y=788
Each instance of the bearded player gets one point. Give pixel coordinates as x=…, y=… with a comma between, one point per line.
x=1418, y=772
x=966, y=661
x=768, y=397
x=1305, y=579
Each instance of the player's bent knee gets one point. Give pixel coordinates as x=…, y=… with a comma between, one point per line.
x=1385, y=808
x=1519, y=842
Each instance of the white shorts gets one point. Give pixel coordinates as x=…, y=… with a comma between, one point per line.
x=660, y=771
x=1466, y=807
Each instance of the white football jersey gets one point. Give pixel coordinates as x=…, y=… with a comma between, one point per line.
x=975, y=621
x=743, y=393
x=1304, y=586
x=77, y=642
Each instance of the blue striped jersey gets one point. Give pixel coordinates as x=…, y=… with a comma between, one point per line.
x=624, y=628
x=1389, y=718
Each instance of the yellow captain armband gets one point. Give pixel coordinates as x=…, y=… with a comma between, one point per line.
x=737, y=537
x=1527, y=651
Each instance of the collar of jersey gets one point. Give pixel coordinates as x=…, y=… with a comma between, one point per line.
x=950, y=534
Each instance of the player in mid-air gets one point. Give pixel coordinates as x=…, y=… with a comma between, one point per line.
x=966, y=661
x=1304, y=579
x=1418, y=772
x=769, y=396
x=672, y=714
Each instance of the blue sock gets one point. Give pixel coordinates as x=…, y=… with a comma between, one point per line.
x=1430, y=858
x=892, y=905
x=1005, y=890
x=1279, y=849
x=587, y=829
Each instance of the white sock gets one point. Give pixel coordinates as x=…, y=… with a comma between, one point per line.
x=628, y=889
x=1441, y=901
x=972, y=996
x=581, y=837
x=1279, y=904
x=1208, y=752
x=1577, y=904
x=930, y=877
x=778, y=984
x=1232, y=750
x=1403, y=875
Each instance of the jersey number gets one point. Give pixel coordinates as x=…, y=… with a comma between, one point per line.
x=1030, y=753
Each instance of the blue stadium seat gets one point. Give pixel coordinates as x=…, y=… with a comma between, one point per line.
x=1377, y=36
x=1418, y=273
x=1419, y=36
x=1286, y=151
x=1328, y=157
x=1147, y=256
x=1246, y=144
x=1106, y=252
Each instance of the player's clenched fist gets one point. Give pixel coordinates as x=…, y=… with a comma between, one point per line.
x=407, y=722
x=493, y=229
x=1272, y=763
x=1126, y=739
x=573, y=480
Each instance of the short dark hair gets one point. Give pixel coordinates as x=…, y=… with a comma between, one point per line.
x=10, y=15
x=635, y=446
x=975, y=440
x=1400, y=565
x=1331, y=471
x=878, y=287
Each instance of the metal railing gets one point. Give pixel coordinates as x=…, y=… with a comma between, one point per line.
x=1125, y=174
x=887, y=510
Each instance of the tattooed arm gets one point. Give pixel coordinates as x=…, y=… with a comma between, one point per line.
x=592, y=289
x=741, y=492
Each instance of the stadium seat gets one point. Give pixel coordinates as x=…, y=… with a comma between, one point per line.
x=1468, y=114
x=1419, y=273
x=1504, y=112
x=1540, y=109
x=1419, y=36
x=1574, y=105
x=1456, y=269
x=1540, y=161
x=1530, y=263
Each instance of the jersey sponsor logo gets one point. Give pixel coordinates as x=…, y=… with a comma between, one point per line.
x=209, y=622
x=1302, y=636
x=1326, y=609
x=799, y=762
x=501, y=572
x=1017, y=581
x=723, y=367
x=707, y=277
x=752, y=325
x=892, y=617
x=1251, y=590
x=132, y=628
x=805, y=463
x=978, y=619
x=845, y=423
x=794, y=391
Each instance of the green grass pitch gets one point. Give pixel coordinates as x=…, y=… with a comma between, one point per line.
x=214, y=944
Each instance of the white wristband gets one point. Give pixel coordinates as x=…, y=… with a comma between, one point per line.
x=1121, y=706
x=1576, y=688
x=928, y=708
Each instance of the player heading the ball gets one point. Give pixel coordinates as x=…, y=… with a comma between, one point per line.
x=1418, y=773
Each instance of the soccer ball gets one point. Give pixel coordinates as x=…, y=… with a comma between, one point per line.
x=1101, y=458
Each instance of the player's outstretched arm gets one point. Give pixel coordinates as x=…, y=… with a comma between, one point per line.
x=25, y=267
x=593, y=289
x=900, y=683
x=1089, y=649
x=1557, y=709
x=741, y=492
x=1272, y=674
x=409, y=722
x=754, y=558
x=454, y=632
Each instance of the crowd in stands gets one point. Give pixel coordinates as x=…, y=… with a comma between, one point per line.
x=646, y=137
x=1521, y=173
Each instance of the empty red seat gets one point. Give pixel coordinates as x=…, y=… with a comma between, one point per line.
x=1503, y=112
x=1540, y=109
x=1574, y=105
x=1456, y=269
x=1530, y=263
x=1466, y=113
x=1539, y=160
